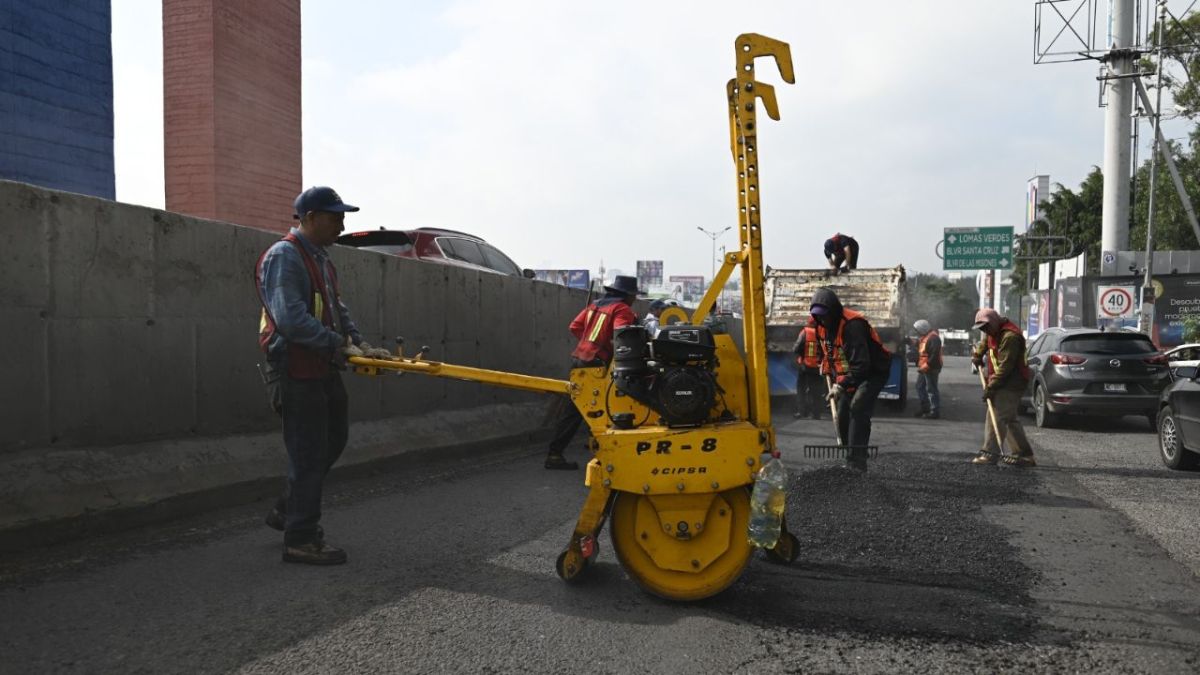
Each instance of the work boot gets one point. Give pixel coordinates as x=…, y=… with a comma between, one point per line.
x=554, y=461
x=798, y=414
x=1022, y=461
x=921, y=413
x=932, y=415
x=276, y=519
x=314, y=553
x=984, y=458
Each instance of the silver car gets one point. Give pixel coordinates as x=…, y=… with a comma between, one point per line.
x=1183, y=355
x=1085, y=371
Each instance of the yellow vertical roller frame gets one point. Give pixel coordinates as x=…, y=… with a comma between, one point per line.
x=744, y=92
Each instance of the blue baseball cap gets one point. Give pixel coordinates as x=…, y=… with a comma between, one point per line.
x=320, y=198
x=818, y=310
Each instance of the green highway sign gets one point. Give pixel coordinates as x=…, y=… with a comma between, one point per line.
x=977, y=248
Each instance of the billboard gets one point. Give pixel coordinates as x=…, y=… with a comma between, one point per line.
x=1177, y=301
x=569, y=278
x=1038, y=318
x=1070, y=303
x=1036, y=192
x=649, y=273
x=686, y=288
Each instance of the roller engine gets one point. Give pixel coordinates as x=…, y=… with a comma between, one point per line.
x=671, y=374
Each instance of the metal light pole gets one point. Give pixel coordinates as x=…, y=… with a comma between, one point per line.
x=713, y=258
x=1114, y=231
x=1146, y=315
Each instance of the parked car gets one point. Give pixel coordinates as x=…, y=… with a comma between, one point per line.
x=1179, y=420
x=437, y=245
x=1090, y=372
x=1183, y=355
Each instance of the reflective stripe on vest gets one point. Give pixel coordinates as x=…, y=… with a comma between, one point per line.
x=923, y=356
x=810, y=358
x=994, y=342
x=837, y=355
x=302, y=362
x=596, y=342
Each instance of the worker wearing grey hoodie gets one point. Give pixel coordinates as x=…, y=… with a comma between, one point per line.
x=859, y=364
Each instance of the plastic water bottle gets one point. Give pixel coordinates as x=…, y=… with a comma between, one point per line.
x=767, y=503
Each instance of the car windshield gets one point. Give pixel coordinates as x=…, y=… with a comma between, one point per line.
x=498, y=261
x=1108, y=344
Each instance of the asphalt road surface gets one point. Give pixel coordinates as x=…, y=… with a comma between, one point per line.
x=926, y=563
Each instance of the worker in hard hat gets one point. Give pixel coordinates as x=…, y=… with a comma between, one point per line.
x=594, y=328
x=859, y=364
x=1001, y=355
x=810, y=381
x=929, y=367
x=841, y=251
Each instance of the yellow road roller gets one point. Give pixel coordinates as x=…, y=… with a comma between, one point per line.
x=680, y=422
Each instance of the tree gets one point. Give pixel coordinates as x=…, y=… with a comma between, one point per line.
x=1076, y=215
x=1181, y=79
x=1172, y=229
x=941, y=302
x=1181, y=51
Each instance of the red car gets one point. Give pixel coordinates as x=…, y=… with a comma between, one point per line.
x=437, y=245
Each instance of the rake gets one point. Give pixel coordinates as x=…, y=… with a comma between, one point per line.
x=841, y=450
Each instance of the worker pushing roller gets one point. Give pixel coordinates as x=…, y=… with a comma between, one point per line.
x=681, y=421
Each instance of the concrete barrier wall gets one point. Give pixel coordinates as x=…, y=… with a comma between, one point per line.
x=125, y=326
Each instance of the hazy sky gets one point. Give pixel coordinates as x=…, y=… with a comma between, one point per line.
x=567, y=133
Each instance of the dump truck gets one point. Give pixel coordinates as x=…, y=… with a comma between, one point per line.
x=880, y=294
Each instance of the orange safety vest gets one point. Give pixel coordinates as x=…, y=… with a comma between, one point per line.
x=841, y=364
x=302, y=363
x=594, y=327
x=811, y=358
x=994, y=342
x=923, y=365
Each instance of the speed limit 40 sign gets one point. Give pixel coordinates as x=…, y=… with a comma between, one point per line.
x=1114, y=302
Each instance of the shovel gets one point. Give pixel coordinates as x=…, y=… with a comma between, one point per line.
x=841, y=450
x=992, y=415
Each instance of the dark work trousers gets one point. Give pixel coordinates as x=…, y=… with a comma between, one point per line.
x=810, y=391
x=839, y=258
x=855, y=411
x=927, y=391
x=570, y=419
x=315, y=427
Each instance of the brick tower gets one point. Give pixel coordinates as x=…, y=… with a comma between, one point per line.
x=231, y=103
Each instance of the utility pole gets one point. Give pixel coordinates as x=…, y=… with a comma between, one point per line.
x=1146, y=315
x=1114, y=232
x=713, y=258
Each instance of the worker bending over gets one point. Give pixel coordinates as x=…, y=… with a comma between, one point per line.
x=841, y=251
x=860, y=364
x=1001, y=354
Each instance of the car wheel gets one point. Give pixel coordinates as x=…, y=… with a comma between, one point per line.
x=1041, y=414
x=1170, y=445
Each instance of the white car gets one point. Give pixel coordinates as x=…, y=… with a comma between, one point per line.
x=1183, y=355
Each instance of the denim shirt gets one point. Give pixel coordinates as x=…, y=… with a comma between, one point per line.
x=286, y=290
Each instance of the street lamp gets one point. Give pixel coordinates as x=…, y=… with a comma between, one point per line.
x=713, y=235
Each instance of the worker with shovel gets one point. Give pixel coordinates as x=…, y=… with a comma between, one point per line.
x=1001, y=355
x=858, y=364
